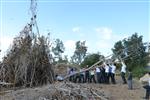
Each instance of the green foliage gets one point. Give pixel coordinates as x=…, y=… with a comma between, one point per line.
x=139, y=72
x=64, y=60
x=58, y=49
x=91, y=59
x=132, y=51
x=79, y=53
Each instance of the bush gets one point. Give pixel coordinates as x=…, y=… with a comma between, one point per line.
x=139, y=72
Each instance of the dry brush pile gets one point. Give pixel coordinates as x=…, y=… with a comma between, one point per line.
x=57, y=91
x=27, y=63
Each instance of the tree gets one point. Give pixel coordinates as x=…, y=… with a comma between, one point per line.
x=79, y=53
x=91, y=59
x=132, y=50
x=58, y=49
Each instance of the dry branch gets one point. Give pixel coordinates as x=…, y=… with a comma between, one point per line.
x=27, y=63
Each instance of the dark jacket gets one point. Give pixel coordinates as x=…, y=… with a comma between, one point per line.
x=130, y=76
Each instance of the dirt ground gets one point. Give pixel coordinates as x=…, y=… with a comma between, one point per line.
x=118, y=91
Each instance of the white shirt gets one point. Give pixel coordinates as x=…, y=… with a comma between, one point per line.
x=123, y=68
x=106, y=69
x=113, y=68
x=60, y=78
x=92, y=72
x=97, y=70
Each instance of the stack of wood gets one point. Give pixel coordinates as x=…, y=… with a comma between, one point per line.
x=27, y=62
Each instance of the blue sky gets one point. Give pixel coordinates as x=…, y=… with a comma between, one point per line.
x=100, y=23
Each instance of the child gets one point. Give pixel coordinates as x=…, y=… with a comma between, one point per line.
x=130, y=80
x=92, y=76
x=123, y=72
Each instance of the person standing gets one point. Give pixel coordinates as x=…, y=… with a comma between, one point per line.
x=106, y=73
x=109, y=72
x=130, y=80
x=92, y=76
x=103, y=76
x=87, y=75
x=113, y=66
x=123, y=72
x=98, y=74
x=71, y=75
x=82, y=74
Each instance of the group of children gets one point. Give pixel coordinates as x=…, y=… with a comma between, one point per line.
x=99, y=74
x=102, y=74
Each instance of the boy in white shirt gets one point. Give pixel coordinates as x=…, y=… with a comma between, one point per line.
x=92, y=76
x=123, y=72
x=113, y=66
x=107, y=73
x=98, y=74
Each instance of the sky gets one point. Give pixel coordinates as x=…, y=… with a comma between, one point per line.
x=100, y=23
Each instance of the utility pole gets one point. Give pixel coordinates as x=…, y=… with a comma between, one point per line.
x=33, y=8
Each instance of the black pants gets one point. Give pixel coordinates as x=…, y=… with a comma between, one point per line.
x=81, y=78
x=87, y=78
x=147, y=95
x=103, y=77
x=98, y=77
x=77, y=79
x=71, y=78
x=113, y=78
x=123, y=77
x=107, y=78
x=92, y=78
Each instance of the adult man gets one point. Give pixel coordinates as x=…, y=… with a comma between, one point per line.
x=123, y=72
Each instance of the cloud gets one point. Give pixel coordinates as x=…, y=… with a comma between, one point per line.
x=70, y=44
x=103, y=44
x=69, y=47
x=104, y=32
x=76, y=29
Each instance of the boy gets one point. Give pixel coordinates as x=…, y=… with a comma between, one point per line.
x=123, y=72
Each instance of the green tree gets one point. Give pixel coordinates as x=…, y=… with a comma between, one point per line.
x=132, y=50
x=79, y=53
x=91, y=59
x=58, y=49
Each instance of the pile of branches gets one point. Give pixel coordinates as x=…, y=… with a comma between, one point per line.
x=27, y=62
x=71, y=91
x=58, y=91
